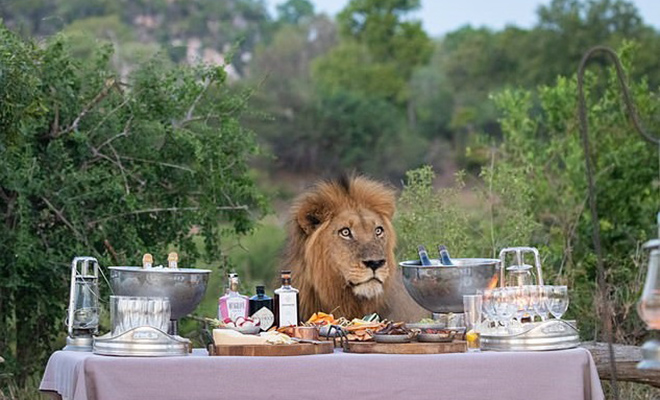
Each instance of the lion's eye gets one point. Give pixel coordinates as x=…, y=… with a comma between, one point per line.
x=379, y=231
x=345, y=232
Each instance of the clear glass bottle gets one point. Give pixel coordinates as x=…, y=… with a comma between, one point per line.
x=261, y=306
x=233, y=304
x=286, y=303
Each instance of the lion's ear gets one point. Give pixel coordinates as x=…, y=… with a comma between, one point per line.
x=310, y=214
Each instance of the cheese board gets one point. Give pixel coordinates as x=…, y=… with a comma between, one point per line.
x=457, y=346
x=266, y=350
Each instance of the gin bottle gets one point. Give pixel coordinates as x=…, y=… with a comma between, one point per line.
x=286, y=303
x=261, y=306
x=233, y=304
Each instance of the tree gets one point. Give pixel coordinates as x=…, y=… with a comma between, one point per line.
x=381, y=27
x=92, y=165
x=294, y=11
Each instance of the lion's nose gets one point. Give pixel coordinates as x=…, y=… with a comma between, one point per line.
x=373, y=264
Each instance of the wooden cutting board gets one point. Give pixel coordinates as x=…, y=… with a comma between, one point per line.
x=457, y=346
x=268, y=350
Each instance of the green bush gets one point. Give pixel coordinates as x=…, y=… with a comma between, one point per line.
x=93, y=165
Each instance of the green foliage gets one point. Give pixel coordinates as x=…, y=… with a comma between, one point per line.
x=91, y=165
x=350, y=67
x=544, y=145
x=480, y=223
x=294, y=11
x=390, y=38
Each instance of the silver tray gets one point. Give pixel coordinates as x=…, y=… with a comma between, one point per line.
x=143, y=341
x=536, y=336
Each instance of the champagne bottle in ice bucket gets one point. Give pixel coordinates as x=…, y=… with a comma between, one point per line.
x=443, y=254
x=423, y=255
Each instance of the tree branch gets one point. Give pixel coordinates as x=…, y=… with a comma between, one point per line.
x=96, y=100
x=169, y=209
x=157, y=163
x=64, y=220
x=120, y=134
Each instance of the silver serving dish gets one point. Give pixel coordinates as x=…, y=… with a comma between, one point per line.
x=440, y=288
x=384, y=338
x=436, y=337
x=142, y=341
x=184, y=287
x=537, y=336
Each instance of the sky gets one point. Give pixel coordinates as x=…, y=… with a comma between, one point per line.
x=442, y=16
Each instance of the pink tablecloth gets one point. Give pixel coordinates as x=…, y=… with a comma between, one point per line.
x=561, y=375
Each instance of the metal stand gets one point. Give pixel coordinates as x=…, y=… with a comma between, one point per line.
x=81, y=343
x=145, y=341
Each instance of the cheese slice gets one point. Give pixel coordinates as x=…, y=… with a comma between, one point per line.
x=232, y=337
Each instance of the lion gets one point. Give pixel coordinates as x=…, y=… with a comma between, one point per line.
x=340, y=249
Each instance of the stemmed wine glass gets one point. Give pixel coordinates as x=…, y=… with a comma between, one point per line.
x=557, y=300
x=539, y=301
x=504, y=305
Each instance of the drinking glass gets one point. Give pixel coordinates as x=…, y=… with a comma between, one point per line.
x=487, y=306
x=504, y=305
x=128, y=312
x=472, y=308
x=557, y=300
x=539, y=300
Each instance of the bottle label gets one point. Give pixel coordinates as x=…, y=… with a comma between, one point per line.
x=236, y=307
x=266, y=317
x=288, y=309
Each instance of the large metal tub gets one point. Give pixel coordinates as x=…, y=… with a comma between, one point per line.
x=184, y=287
x=440, y=289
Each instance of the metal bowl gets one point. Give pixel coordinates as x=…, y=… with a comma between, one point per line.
x=184, y=287
x=440, y=289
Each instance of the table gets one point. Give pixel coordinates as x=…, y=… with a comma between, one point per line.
x=561, y=375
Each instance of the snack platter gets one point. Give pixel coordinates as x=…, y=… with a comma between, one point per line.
x=358, y=336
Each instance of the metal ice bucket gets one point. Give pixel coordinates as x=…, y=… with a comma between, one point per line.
x=184, y=287
x=440, y=289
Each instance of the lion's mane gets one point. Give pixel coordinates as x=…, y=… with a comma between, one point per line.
x=320, y=262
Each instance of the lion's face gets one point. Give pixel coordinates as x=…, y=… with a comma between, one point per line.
x=341, y=246
x=359, y=250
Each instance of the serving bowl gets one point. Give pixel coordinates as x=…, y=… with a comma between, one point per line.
x=440, y=288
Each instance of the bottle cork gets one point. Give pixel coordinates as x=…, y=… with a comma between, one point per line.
x=147, y=261
x=172, y=260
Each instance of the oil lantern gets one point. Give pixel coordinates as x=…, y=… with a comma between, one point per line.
x=83, y=313
x=648, y=307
